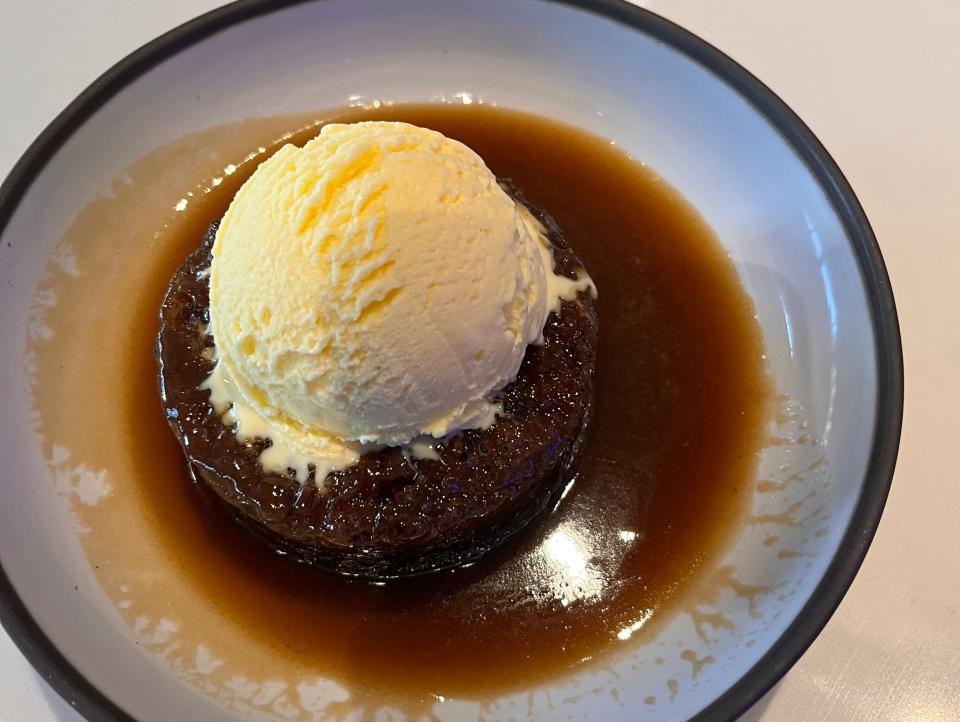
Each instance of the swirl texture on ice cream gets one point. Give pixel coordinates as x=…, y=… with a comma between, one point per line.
x=370, y=288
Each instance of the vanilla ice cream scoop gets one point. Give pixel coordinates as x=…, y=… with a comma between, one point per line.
x=374, y=286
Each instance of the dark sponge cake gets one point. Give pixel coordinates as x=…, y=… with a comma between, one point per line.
x=390, y=515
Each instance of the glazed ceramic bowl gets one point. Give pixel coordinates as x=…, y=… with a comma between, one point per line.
x=776, y=200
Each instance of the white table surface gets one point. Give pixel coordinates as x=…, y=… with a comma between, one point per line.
x=879, y=82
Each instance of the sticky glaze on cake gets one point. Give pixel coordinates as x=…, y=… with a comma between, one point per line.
x=391, y=514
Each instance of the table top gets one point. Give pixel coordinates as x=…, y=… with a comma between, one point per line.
x=877, y=82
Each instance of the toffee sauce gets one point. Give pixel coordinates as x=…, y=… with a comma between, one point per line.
x=662, y=484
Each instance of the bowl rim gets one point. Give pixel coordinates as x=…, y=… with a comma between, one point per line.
x=93, y=704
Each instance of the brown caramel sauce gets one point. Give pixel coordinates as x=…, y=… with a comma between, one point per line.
x=663, y=484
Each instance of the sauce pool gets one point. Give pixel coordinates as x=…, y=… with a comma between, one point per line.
x=662, y=485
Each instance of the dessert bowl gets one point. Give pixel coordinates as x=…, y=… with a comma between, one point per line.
x=778, y=204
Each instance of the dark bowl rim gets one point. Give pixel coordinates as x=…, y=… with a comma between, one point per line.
x=94, y=705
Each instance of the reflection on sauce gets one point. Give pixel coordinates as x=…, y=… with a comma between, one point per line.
x=662, y=485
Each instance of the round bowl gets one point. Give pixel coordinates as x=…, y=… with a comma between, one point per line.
x=768, y=188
